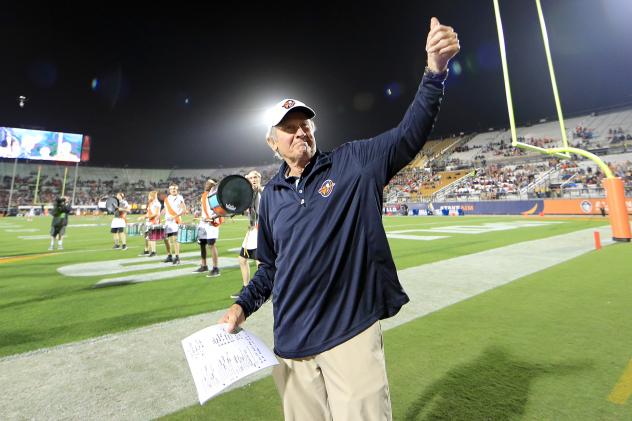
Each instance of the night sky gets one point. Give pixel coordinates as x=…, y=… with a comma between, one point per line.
x=187, y=86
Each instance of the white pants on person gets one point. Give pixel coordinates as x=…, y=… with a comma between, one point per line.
x=171, y=227
x=206, y=231
x=346, y=383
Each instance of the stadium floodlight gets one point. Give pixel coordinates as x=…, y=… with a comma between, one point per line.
x=22, y=101
x=614, y=186
x=266, y=116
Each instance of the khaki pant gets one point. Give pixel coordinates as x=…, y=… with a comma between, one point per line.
x=345, y=383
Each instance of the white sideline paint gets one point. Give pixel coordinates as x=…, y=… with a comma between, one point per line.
x=490, y=227
x=422, y=223
x=110, y=267
x=163, y=270
x=229, y=239
x=37, y=237
x=464, y=229
x=166, y=272
x=142, y=374
x=23, y=230
x=398, y=236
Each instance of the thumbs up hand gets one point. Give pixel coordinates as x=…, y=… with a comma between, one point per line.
x=441, y=45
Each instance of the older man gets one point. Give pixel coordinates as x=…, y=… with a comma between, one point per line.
x=324, y=256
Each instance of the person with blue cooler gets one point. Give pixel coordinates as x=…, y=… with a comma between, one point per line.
x=208, y=232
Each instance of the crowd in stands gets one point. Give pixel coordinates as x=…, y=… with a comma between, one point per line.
x=492, y=182
x=618, y=135
x=493, y=149
x=486, y=176
x=579, y=176
x=497, y=181
x=90, y=191
x=406, y=182
x=583, y=133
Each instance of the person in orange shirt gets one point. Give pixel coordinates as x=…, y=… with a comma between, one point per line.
x=152, y=217
x=174, y=209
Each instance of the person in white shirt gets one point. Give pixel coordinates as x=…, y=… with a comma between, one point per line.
x=174, y=209
x=249, y=245
x=30, y=214
x=119, y=223
x=152, y=217
x=208, y=231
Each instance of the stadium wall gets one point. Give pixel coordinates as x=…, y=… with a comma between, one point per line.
x=525, y=207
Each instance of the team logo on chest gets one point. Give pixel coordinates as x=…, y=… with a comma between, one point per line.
x=326, y=189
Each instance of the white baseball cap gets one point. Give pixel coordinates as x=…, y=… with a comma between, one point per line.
x=281, y=108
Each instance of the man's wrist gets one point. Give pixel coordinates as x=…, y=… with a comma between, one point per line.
x=436, y=75
x=243, y=307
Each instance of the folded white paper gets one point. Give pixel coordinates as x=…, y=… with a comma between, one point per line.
x=218, y=359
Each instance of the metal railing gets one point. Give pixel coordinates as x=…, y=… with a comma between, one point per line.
x=543, y=179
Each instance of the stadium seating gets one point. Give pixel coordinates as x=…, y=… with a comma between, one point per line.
x=94, y=183
x=443, y=170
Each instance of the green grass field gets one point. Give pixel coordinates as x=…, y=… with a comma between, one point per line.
x=548, y=346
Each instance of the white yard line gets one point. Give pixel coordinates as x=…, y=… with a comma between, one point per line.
x=142, y=374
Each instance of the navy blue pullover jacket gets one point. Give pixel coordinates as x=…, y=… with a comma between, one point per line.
x=322, y=246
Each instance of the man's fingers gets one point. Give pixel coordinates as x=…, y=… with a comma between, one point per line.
x=437, y=29
x=433, y=22
x=450, y=50
x=233, y=318
x=225, y=317
x=442, y=32
x=230, y=328
x=438, y=35
x=442, y=44
x=230, y=320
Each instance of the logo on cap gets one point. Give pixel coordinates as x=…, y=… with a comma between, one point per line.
x=288, y=104
x=326, y=189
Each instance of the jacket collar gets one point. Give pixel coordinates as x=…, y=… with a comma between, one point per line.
x=319, y=160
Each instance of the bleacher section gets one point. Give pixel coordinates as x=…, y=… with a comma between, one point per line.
x=503, y=172
x=94, y=183
x=586, y=132
x=434, y=149
x=441, y=180
x=509, y=173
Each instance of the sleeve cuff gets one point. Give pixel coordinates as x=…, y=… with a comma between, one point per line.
x=247, y=310
x=437, y=77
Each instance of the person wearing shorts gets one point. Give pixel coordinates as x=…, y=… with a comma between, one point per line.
x=119, y=222
x=152, y=217
x=174, y=209
x=249, y=245
x=208, y=232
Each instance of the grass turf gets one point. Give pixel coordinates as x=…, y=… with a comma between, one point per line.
x=549, y=346
x=39, y=307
